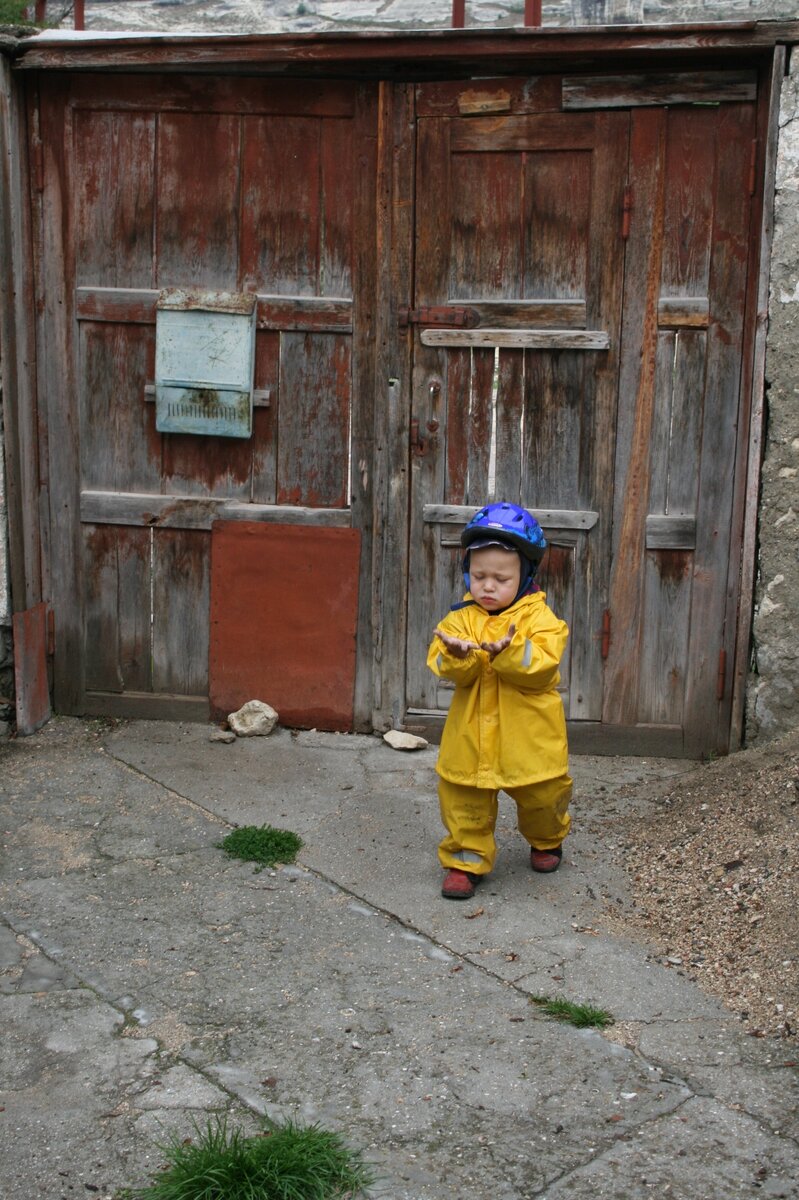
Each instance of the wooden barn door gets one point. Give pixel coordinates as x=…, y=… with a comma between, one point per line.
x=218, y=184
x=518, y=231
x=580, y=307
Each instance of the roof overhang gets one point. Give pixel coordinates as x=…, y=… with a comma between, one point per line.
x=403, y=55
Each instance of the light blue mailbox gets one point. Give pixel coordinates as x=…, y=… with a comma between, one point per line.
x=204, y=362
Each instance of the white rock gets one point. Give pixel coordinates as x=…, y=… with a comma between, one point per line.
x=398, y=740
x=222, y=735
x=253, y=719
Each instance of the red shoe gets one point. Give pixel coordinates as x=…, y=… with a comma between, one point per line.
x=545, y=861
x=459, y=885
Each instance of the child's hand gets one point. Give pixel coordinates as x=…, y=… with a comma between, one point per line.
x=492, y=649
x=458, y=647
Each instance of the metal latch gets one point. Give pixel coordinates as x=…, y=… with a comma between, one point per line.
x=443, y=316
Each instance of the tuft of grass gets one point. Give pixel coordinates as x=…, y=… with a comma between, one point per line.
x=284, y=1162
x=262, y=844
x=583, y=1016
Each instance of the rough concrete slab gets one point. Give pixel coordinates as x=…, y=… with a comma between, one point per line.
x=177, y=983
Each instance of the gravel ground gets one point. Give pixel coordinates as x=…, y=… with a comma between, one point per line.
x=713, y=865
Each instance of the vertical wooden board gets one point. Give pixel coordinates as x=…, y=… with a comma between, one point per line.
x=687, y=419
x=29, y=630
x=556, y=577
x=197, y=465
x=313, y=430
x=114, y=156
x=510, y=410
x=486, y=256
x=120, y=448
x=286, y=633
x=116, y=567
x=433, y=213
x=478, y=438
x=180, y=591
x=556, y=232
x=197, y=213
x=638, y=369
x=458, y=431
x=690, y=166
x=707, y=722
x=557, y=423
x=665, y=607
x=660, y=437
x=281, y=177
x=265, y=420
x=342, y=177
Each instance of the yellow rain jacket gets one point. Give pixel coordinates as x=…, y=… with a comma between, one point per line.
x=506, y=726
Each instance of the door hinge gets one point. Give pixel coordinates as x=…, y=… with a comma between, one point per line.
x=605, y=633
x=721, y=677
x=626, y=212
x=753, y=168
x=444, y=315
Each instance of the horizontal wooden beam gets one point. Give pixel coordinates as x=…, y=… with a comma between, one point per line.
x=548, y=518
x=684, y=312
x=196, y=512
x=151, y=706
x=385, y=51
x=679, y=87
x=522, y=314
x=670, y=533
x=519, y=339
x=318, y=314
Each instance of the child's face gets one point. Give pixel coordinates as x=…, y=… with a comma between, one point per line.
x=494, y=577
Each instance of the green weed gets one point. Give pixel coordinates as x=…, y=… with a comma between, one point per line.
x=584, y=1016
x=262, y=844
x=284, y=1162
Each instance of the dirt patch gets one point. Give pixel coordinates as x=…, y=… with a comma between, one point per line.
x=713, y=869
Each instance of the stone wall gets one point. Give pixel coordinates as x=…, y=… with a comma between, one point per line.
x=773, y=689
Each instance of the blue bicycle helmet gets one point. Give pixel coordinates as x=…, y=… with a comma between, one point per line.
x=508, y=525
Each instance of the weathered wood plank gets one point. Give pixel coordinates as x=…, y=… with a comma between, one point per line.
x=17, y=345
x=120, y=448
x=707, y=716
x=508, y=424
x=114, y=195
x=665, y=617
x=147, y=706
x=313, y=429
x=461, y=514
x=318, y=313
x=454, y=97
x=282, y=204
x=528, y=134
x=180, y=611
x=534, y=339
x=637, y=385
x=198, y=200
x=486, y=233
x=681, y=87
x=556, y=235
x=585, y=737
x=395, y=221
x=523, y=314
x=265, y=419
x=677, y=312
x=216, y=93
x=670, y=533
x=116, y=568
x=195, y=512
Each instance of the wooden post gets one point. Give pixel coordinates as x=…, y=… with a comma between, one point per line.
x=40, y=11
x=532, y=13
x=79, y=14
x=458, y=14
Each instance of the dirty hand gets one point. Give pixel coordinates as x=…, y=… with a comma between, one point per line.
x=492, y=649
x=458, y=647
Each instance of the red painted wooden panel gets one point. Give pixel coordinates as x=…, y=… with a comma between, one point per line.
x=284, y=605
x=30, y=668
